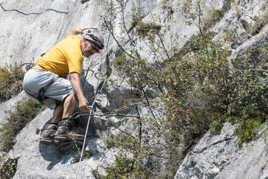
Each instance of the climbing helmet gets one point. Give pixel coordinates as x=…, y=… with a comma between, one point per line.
x=94, y=36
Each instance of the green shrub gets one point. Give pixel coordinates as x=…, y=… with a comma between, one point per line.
x=10, y=81
x=247, y=122
x=197, y=88
x=211, y=18
x=123, y=168
x=25, y=111
x=147, y=29
x=8, y=168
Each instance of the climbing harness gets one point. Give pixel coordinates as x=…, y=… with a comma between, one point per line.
x=28, y=66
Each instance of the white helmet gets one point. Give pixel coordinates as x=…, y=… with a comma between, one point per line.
x=93, y=35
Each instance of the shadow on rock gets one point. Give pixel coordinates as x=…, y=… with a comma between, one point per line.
x=50, y=153
x=60, y=152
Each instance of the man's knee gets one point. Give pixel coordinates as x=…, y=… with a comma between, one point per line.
x=70, y=99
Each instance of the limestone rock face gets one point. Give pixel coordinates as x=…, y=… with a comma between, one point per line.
x=9, y=106
x=36, y=26
x=217, y=156
x=30, y=28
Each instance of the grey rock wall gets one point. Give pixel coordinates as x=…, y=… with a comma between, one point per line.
x=29, y=28
x=9, y=106
x=219, y=157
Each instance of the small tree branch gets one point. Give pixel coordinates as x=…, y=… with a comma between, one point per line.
x=117, y=42
x=163, y=45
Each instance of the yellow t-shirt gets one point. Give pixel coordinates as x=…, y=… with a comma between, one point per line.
x=64, y=58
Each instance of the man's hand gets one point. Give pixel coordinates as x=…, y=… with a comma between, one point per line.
x=83, y=105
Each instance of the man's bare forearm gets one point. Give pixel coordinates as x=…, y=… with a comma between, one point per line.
x=77, y=86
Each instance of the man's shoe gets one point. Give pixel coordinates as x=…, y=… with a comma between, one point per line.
x=48, y=133
x=69, y=139
x=65, y=126
x=75, y=136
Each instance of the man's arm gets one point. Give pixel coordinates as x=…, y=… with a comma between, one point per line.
x=77, y=86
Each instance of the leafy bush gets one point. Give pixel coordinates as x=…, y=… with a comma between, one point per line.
x=24, y=113
x=211, y=18
x=8, y=168
x=10, y=81
x=198, y=89
x=249, y=112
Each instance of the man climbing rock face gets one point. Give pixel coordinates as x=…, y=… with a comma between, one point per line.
x=47, y=82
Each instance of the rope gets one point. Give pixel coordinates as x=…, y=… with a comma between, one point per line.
x=32, y=13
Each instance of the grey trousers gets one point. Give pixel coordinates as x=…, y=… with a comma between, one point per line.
x=57, y=88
